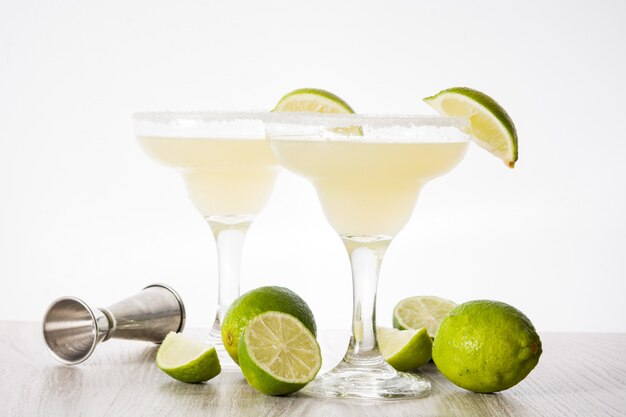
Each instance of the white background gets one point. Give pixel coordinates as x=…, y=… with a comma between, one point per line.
x=83, y=212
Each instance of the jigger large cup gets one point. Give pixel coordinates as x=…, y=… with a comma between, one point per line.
x=72, y=329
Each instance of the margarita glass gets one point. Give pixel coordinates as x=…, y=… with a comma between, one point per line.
x=368, y=172
x=229, y=171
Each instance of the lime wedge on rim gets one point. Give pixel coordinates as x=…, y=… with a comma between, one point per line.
x=404, y=349
x=489, y=124
x=316, y=100
x=278, y=355
x=313, y=100
x=187, y=359
x=421, y=311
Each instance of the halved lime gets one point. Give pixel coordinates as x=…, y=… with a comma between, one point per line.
x=313, y=100
x=277, y=354
x=489, y=124
x=187, y=359
x=421, y=311
x=260, y=300
x=404, y=349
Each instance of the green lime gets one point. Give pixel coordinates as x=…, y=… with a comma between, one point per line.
x=489, y=124
x=312, y=100
x=187, y=359
x=486, y=346
x=421, y=311
x=404, y=349
x=278, y=354
x=258, y=301
x=315, y=100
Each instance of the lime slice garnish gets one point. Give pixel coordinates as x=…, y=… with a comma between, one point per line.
x=421, y=311
x=187, y=359
x=404, y=349
x=489, y=124
x=313, y=100
x=316, y=100
x=277, y=354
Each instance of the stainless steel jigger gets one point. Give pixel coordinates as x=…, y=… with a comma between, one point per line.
x=72, y=329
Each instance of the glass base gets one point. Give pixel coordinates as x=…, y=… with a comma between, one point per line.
x=373, y=381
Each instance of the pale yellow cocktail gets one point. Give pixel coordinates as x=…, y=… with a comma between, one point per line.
x=224, y=177
x=368, y=188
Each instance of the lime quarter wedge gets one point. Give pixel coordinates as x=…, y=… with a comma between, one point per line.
x=312, y=100
x=489, y=124
x=404, y=349
x=421, y=311
x=187, y=359
x=278, y=355
x=315, y=100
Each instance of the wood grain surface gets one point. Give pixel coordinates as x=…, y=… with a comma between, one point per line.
x=578, y=375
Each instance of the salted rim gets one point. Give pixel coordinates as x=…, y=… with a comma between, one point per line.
x=303, y=118
x=168, y=117
x=293, y=125
x=339, y=120
x=231, y=125
x=368, y=128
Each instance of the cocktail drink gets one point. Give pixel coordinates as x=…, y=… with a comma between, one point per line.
x=229, y=171
x=368, y=172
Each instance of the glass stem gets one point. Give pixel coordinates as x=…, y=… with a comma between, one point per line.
x=229, y=239
x=365, y=257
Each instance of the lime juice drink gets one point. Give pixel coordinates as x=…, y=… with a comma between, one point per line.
x=224, y=177
x=229, y=171
x=368, y=188
x=368, y=172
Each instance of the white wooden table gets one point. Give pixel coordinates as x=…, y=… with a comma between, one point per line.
x=578, y=375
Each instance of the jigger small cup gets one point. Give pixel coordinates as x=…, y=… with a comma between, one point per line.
x=72, y=329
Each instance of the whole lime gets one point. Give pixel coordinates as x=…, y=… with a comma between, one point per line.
x=257, y=301
x=486, y=346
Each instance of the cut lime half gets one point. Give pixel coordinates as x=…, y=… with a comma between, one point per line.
x=488, y=122
x=405, y=350
x=421, y=311
x=257, y=301
x=278, y=355
x=187, y=359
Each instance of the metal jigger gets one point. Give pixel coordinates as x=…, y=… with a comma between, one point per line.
x=72, y=329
